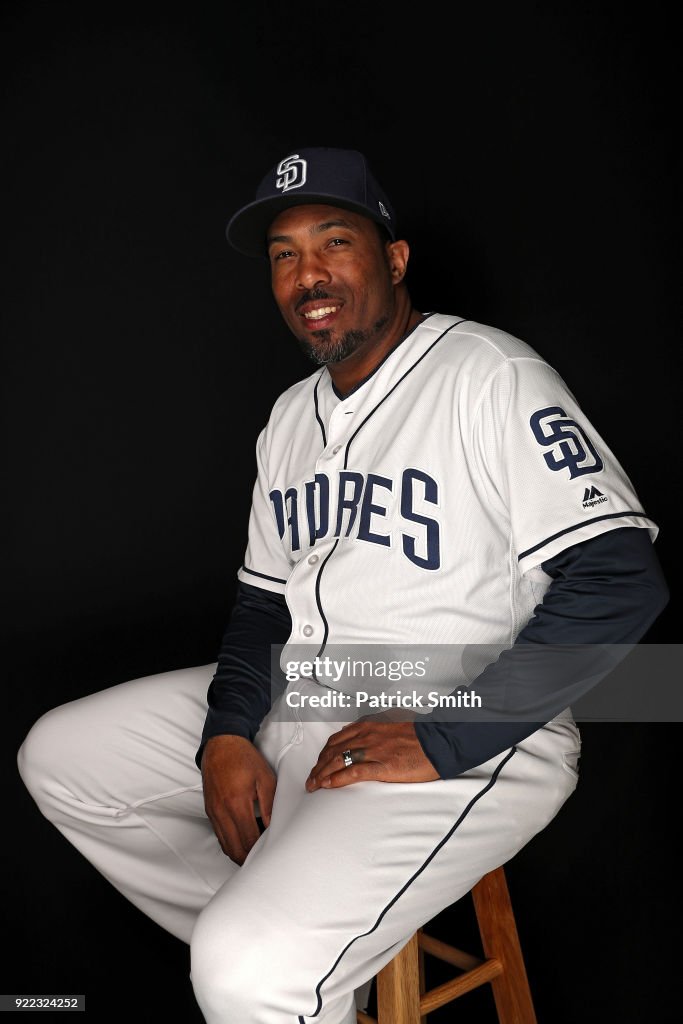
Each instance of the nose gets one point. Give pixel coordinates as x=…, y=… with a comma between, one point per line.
x=312, y=271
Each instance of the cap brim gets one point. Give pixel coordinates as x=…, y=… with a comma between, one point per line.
x=247, y=229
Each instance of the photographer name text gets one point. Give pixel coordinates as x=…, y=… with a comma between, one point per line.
x=376, y=701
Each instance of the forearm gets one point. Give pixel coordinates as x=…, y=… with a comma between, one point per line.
x=240, y=691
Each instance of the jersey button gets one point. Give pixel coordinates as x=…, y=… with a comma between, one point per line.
x=307, y=631
x=337, y=448
x=313, y=559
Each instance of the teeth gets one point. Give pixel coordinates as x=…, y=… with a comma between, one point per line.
x=317, y=314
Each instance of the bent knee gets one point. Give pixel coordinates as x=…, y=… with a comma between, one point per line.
x=242, y=972
x=54, y=752
x=42, y=751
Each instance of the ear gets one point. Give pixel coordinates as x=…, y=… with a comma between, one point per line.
x=397, y=258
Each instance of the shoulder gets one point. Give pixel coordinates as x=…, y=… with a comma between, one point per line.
x=298, y=394
x=485, y=342
x=292, y=404
x=477, y=354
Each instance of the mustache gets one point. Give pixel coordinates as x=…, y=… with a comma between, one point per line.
x=314, y=293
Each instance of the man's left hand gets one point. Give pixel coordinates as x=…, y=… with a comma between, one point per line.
x=381, y=752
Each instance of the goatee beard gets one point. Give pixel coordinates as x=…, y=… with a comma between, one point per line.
x=325, y=350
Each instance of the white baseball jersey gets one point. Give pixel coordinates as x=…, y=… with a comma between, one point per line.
x=419, y=508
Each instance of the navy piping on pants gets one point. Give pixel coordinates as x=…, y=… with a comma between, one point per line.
x=492, y=781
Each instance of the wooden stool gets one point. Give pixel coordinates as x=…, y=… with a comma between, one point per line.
x=401, y=995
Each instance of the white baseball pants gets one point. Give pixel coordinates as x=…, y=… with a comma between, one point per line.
x=333, y=888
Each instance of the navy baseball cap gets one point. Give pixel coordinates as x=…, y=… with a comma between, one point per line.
x=335, y=177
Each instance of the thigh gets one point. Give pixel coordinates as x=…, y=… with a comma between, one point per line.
x=126, y=743
x=343, y=877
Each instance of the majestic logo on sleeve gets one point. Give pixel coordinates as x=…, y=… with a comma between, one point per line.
x=570, y=447
x=291, y=173
x=366, y=507
x=592, y=497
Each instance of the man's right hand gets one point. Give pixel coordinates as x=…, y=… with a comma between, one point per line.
x=235, y=774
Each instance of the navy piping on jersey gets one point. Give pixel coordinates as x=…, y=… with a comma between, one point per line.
x=319, y=602
x=263, y=575
x=492, y=781
x=382, y=360
x=577, y=526
x=399, y=381
x=360, y=383
x=317, y=413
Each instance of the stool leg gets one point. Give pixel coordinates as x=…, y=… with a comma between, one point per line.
x=422, y=972
x=500, y=939
x=398, y=988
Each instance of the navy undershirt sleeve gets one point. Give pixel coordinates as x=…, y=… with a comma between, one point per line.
x=240, y=691
x=607, y=590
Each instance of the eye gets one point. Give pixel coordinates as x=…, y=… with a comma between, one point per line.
x=283, y=254
x=337, y=242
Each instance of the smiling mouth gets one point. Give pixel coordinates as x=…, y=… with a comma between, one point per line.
x=318, y=314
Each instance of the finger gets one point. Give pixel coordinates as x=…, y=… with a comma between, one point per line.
x=345, y=736
x=265, y=791
x=229, y=840
x=247, y=826
x=240, y=831
x=368, y=771
x=337, y=761
x=331, y=759
x=338, y=742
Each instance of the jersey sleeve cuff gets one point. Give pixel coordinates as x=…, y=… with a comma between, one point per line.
x=245, y=574
x=555, y=543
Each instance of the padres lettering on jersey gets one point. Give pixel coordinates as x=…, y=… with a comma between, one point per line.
x=353, y=505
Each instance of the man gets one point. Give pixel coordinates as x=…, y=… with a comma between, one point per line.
x=432, y=486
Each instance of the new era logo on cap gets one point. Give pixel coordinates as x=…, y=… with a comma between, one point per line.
x=336, y=177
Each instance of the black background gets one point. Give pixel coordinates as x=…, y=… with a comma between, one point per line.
x=530, y=154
